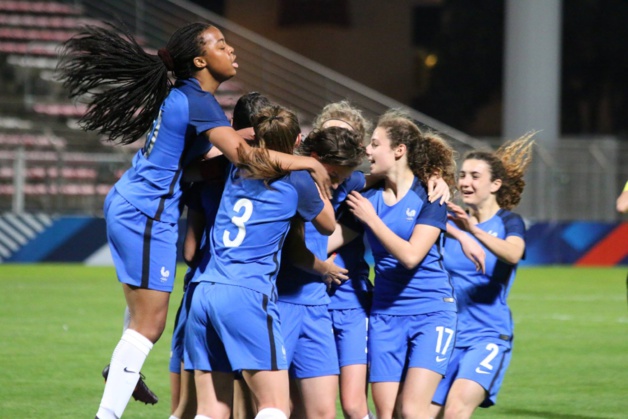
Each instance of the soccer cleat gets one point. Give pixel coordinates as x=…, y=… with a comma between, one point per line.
x=141, y=393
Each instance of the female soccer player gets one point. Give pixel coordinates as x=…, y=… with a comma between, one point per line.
x=130, y=95
x=491, y=184
x=233, y=322
x=202, y=206
x=413, y=317
x=303, y=300
x=350, y=301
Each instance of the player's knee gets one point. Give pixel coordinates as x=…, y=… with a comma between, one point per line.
x=457, y=411
x=354, y=408
x=271, y=413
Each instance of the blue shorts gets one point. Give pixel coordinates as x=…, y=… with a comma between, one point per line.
x=144, y=250
x=309, y=339
x=177, y=346
x=351, y=333
x=485, y=363
x=233, y=328
x=397, y=343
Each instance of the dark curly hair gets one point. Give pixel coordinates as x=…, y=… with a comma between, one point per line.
x=509, y=164
x=335, y=146
x=428, y=153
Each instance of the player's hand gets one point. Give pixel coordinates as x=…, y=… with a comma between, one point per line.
x=247, y=133
x=460, y=217
x=438, y=188
x=334, y=274
x=321, y=177
x=360, y=207
x=474, y=252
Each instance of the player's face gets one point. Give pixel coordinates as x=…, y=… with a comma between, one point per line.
x=379, y=152
x=218, y=57
x=474, y=182
x=338, y=174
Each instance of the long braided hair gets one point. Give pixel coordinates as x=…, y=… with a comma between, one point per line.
x=124, y=86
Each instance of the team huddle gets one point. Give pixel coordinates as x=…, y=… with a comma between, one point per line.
x=279, y=317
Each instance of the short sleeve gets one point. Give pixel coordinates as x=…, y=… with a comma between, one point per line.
x=431, y=213
x=309, y=203
x=514, y=225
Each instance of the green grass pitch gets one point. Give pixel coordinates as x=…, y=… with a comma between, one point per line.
x=60, y=324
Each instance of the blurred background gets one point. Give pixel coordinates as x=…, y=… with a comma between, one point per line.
x=480, y=72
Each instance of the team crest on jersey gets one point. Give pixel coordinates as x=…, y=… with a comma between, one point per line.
x=410, y=213
x=164, y=274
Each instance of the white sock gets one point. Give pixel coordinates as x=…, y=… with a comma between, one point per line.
x=201, y=417
x=173, y=417
x=271, y=413
x=124, y=373
x=371, y=415
x=127, y=319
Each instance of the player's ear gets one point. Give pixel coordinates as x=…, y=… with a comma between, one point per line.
x=400, y=150
x=495, y=185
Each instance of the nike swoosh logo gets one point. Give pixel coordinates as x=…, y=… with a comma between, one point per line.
x=439, y=359
x=130, y=372
x=479, y=371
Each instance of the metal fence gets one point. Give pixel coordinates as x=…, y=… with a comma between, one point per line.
x=580, y=180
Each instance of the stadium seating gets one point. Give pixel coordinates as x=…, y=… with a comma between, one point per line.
x=62, y=168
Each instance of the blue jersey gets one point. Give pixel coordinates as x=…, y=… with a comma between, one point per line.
x=427, y=287
x=251, y=225
x=297, y=286
x=152, y=184
x=208, y=201
x=356, y=291
x=482, y=307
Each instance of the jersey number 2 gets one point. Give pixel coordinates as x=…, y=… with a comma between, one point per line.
x=239, y=221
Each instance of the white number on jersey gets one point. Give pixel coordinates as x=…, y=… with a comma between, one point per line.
x=440, y=348
x=486, y=362
x=239, y=221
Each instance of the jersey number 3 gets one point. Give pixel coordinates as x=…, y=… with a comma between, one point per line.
x=239, y=221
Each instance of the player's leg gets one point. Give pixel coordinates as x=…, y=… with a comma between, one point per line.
x=315, y=363
x=147, y=281
x=148, y=317
x=319, y=396
x=464, y=397
x=385, y=398
x=437, y=408
x=353, y=391
x=243, y=403
x=182, y=387
x=270, y=389
x=186, y=407
x=416, y=395
x=431, y=347
x=248, y=326
x=214, y=393
x=481, y=372
x=175, y=391
x=350, y=330
x=388, y=346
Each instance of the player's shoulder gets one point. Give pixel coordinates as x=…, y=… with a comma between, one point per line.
x=419, y=189
x=508, y=216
